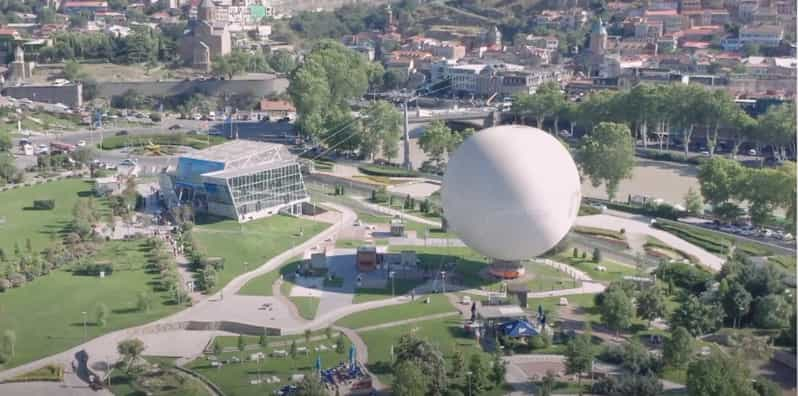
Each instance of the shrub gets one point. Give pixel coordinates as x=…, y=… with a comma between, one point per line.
x=17, y=279
x=5, y=284
x=44, y=204
x=388, y=171
x=156, y=117
x=94, y=269
x=596, y=255
x=539, y=341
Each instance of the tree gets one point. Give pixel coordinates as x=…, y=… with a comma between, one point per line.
x=696, y=316
x=720, y=111
x=101, y=313
x=736, y=301
x=292, y=351
x=458, y=363
x=770, y=312
x=617, y=310
x=328, y=333
x=579, y=356
x=263, y=340
x=382, y=129
x=281, y=61
x=721, y=179
x=766, y=387
x=320, y=88
x=437, y=141
x=339, y=344
x=427, y=357
x=719, y=375
x=217, y=348
x=9, y=342
x=547, y=384
x=241, y=344
x=143, y=302
x=687, y=106
x=409, y=380
x=694, y=202
x=777, y=127
x=678, y=348
x=479, y=374
x=498, y=369
x=311, y=386
x=606, y=156
x=130, y=350
x=596, y=255
x=651, y=304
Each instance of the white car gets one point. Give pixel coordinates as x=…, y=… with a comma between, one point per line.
x=42, y=149
x=787, y=237
x=82, y=143
x=752, y=152
x=127, y=162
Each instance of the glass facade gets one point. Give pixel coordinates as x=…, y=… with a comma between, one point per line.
x=268, y=188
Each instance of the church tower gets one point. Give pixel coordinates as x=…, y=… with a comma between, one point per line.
x=598, y=38
x=207, y=11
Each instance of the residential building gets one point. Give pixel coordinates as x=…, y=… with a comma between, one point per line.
x=76, y=7
x=670, y=19
x=277, y=109
x=763, y=35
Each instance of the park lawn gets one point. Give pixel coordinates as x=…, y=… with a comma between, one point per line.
x=274, y=341
x=446, y=334
x=600, y=232
x=167, y=382
x=410, y=225
x=254, y=242
x=786, y=262
x=712, y=241
x=41, y=226
x=262, y=285
x=234, y=378
x=548, y=278
x=468, y=263
x=401, y=286
x=413, y=309
x=614, y=270
x=306, y=306
x=657, y=248
x=551, y=307
x=46, y=313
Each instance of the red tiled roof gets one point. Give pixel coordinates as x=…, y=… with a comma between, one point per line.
x=75, y=4
x=276, y=105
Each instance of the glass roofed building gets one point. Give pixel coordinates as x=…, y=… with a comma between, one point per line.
x=241, y=179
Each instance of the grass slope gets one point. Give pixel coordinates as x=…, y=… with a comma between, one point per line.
x=46, y=314
x=254, y=242
x=21, y=222
x=414, y=309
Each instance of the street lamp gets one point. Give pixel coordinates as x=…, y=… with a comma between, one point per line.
x=443, y=279
x=245, y=266
x=85, y=334
x=392, y=275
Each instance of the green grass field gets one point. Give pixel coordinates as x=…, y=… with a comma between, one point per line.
x=546, y=278
x=400, y=287
x=254, y=242
x=234, y=379
x=306, y=306
x=262, y=285
x=21, y=222
x=614, y=270
x=46, y=313
x=414, y=309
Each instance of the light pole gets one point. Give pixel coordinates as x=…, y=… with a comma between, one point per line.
x=85, y=334
x=245, y=267
x=443, y=280
x=392, y=275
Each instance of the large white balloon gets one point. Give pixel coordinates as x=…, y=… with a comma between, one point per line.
x=511, y=192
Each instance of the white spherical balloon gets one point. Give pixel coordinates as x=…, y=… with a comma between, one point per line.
x=511, y=192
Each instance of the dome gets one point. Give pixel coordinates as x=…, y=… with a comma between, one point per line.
x=511, y=192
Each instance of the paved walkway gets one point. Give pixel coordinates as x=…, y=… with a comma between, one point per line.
x=633, y=225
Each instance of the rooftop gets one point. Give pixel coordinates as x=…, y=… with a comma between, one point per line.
x=243, y=155
x=500, y=311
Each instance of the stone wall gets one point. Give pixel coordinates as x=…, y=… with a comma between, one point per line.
x=70, y=95
x=260, y=87
x=295, y=6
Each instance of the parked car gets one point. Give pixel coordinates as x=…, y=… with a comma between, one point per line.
x=174, y=127
x=122, y=133
x=128, y=162
x=752, y=152
x=82, y=143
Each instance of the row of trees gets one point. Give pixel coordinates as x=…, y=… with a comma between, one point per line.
x=654, y=110
x=321, y=89
x=239, y=61
x=724, y=183
x=143, y=45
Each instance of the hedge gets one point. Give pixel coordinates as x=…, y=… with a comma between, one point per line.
x=662, y=211
x=49, y=372
x=652, y=243
x=43, y=204
x=388, y=171
x=587, y=210
x=709, y=240
x=601, y=232
x=177, y=139
x=669, y=157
